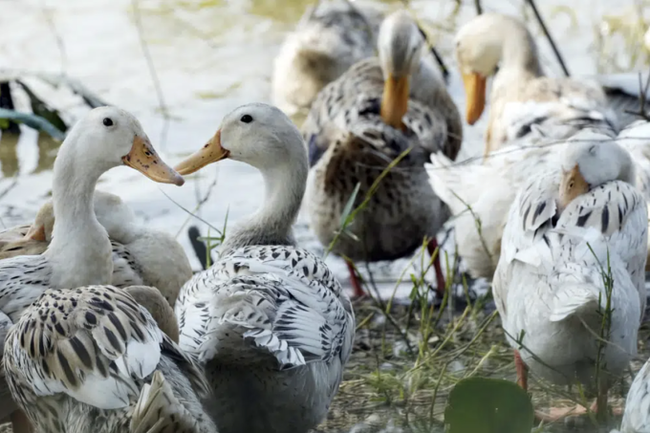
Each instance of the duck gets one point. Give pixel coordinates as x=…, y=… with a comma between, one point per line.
x=268, y=321
x=483, y=190
x=80, y=251
x=329, y=38
x=498, y=45
x=480, y=191
x=479, y=194
x=357, y=126
x=141, y=255
x=574, y=247
x=94, y=352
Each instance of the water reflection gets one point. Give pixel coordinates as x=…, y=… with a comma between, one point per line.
x=280, y=10
x=9, y=154
x=47, y=150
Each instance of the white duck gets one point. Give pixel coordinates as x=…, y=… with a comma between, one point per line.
x=489, y=188
x=480, y=193
x=93, y=353
x=80, y=252
x=563, y=228
x=521, y=95
x=141, y=255
x=268, y=321
x=329, y=38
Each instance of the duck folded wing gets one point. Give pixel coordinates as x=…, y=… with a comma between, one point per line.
x=532, y=213
x=610, y=220
x=23, y=279
x=92, y=345
x=557, y=118
x=284, y=302
x=158, y=410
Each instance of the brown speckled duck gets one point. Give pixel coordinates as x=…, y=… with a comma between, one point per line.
x=359, y=124
x=93, y=353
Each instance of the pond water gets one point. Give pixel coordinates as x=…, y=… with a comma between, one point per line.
x=211, y=56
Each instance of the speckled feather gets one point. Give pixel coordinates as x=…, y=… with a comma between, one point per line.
x=561, y=106
x=22, y=280
x=278, y=314
x=550, y=271
x=126, y=270
x=280, y=284
x=349, y=143
x=84, y=354
x=432, y=120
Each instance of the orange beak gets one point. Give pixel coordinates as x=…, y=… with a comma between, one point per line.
x=394, y=102
x=572, y=185
x=144, y=158
x=475, y=91
x=211, y=152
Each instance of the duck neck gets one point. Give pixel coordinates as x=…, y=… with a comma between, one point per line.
x=80, y=250
x=272, y=223
x=519, y=52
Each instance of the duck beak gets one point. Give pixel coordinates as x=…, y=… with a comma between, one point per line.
x=36, y=233
x=143, y=157
x=573, y=184
x=475, y=91
x=211, y=152
x=394, y=102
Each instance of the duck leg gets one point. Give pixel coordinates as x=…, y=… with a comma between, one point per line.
x=554, y=413
x=599, y=407
x=522, y=371
x=432, y=246
x=354, y=280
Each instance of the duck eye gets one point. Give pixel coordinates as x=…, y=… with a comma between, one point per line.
x=246, y=118
x=108, y=121
x=571, y=184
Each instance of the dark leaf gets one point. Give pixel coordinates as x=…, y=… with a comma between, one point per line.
x=480, y=405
